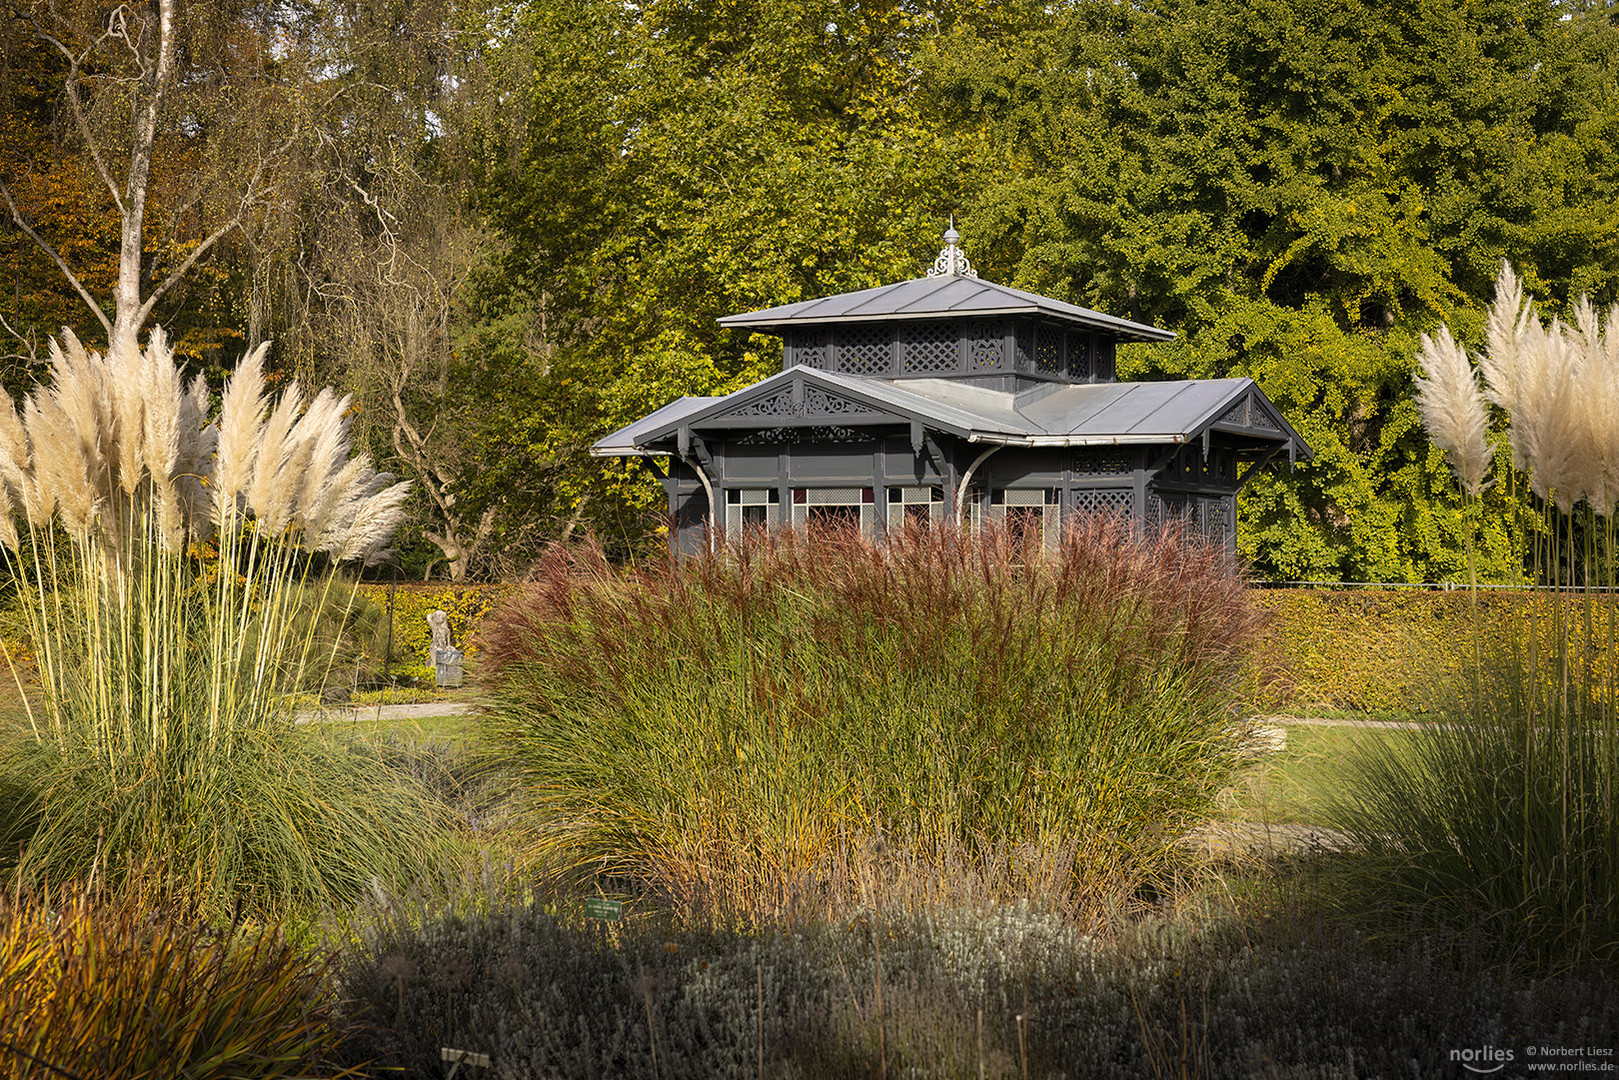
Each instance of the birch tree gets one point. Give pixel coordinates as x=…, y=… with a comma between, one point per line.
x=149, y=87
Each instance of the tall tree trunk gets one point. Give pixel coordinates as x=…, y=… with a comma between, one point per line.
x=128, y=313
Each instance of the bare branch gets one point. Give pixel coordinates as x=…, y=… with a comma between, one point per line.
x=44, y=245
x=27, y=340
x=75, y=64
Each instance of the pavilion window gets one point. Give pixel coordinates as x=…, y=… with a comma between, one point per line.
x=915, y=505
x=1028, y=513
x=849, y=507
x=751, y=508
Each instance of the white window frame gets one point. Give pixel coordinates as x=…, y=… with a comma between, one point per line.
x=1047, y=500
x=835, y=496
x=738, y=498
x=928, y=495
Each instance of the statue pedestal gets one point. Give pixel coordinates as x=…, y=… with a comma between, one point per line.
x=447, y=666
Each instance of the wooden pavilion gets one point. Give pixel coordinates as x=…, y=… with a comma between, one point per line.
x=948, y=398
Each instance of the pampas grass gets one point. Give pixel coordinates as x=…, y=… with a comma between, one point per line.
x=1453, y=410
x=167, y=570
x=1506, y=814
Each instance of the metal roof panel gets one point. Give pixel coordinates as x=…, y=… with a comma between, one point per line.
x=627, y=440
x=936, y=298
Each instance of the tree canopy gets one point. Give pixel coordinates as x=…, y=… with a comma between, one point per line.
x=510, y=228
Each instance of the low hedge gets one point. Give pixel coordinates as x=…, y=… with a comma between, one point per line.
x=1388, y=650
x=410, y=604
x=1354, y=650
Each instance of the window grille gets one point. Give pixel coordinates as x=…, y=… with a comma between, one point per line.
x=748, y=508
x=929, y=347
x=921, y=505
x=865, y=350
x=1027, y=510
x=854, y=507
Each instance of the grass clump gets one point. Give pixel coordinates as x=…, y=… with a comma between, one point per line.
x=732, y=726
x=1501, y=816
x=1504, y=816
x=122, y=988
x=175, y=581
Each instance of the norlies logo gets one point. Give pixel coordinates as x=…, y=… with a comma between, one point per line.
x=1486, y=1059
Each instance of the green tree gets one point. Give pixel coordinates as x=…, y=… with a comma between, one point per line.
x=1299, y=189
x=668, y=164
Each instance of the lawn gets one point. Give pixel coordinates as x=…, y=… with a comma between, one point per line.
x=1295, y=785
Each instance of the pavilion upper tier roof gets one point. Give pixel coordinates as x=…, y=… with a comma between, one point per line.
x=947, y=296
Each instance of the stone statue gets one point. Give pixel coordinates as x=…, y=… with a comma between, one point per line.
x=446, y=657
x=440, y=625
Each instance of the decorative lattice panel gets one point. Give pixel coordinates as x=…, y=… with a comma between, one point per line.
x=1237, y=414
x=1194, y=466
x=794, y=435
x=1258, y=418
x=987, y=349
x=1103, y=369
x=1048, y=351
x=820, y=403
x=1104, y=501
x=1079, y=356
x=930, y=346
x=1102, y=461
x=810, y=350
x=1217, y=518
x=1162, y=509
x=865, y=350
x=1025, y=346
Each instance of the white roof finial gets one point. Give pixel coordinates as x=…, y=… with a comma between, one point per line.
x=952, y=261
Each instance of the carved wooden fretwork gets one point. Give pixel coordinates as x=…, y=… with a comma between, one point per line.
x=814, y=402
x=778, y=404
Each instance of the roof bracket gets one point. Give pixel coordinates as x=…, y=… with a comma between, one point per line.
x=936, y=456
x=683, y=441
x=1206, y=443
x=916, y=437
x=1270, y=455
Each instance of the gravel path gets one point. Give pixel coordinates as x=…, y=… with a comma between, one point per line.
x=385, y=712
x=1251, y=838
x=1326, y=721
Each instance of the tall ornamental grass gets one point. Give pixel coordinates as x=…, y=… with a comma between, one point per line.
x=167, y=570
x=1505, y=814
x=741, y=728
x=120, y=988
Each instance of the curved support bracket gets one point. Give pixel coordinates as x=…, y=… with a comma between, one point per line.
x=695, y=454
x=966, y=482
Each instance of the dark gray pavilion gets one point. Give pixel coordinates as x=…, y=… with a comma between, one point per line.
x=947, y=398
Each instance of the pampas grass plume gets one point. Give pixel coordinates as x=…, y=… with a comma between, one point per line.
x=1453, y=410
x=241, y=418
